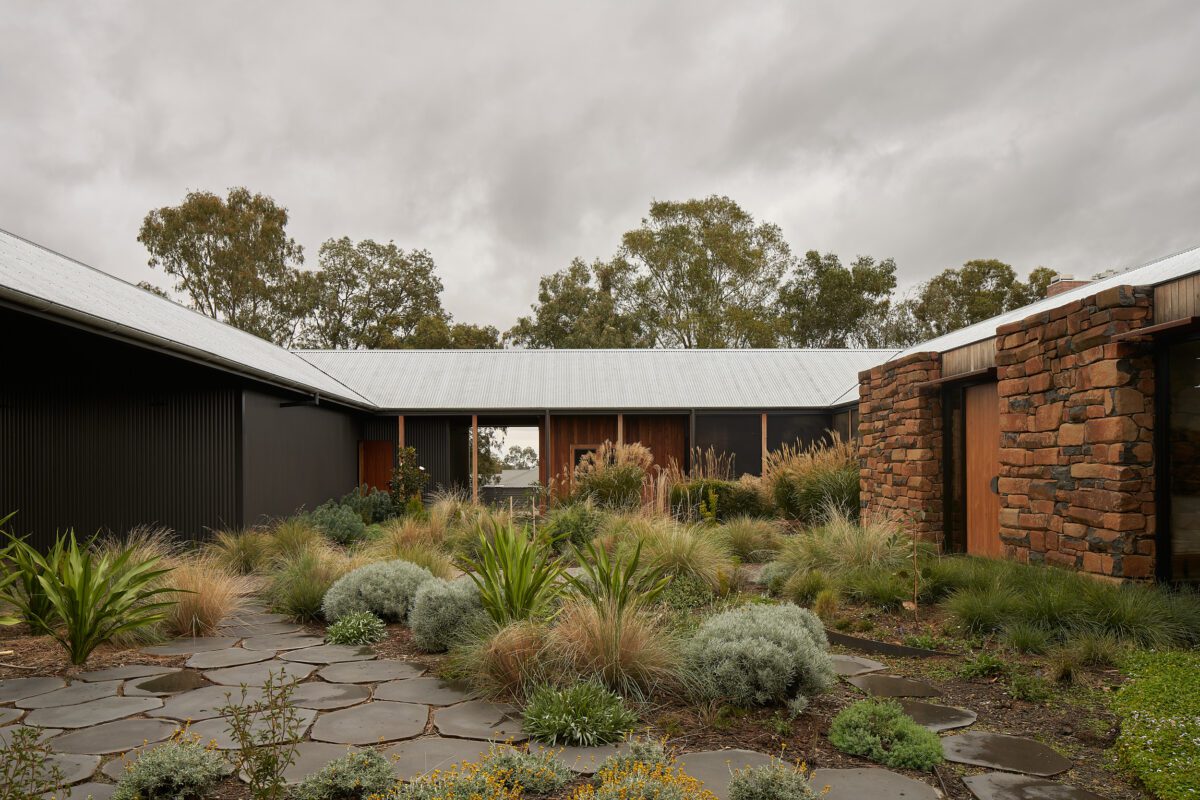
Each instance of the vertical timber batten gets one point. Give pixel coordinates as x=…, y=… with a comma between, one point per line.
x=474, y=458
x=764, y=443
x=400, y=432
x=620, y=429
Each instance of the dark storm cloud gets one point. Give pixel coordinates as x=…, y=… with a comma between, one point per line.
x=509, y=137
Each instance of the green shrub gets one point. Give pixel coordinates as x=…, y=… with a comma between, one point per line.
x=299, y=584
x=760, y=654
x=617, y=582
x=372, y=505
x=386, y=589
x=408, y=479
x=983, y=665
x=352, y=777
x=879, y=587
x=983, y=610
x=181, y=768
x=339, y=523
x=1159, y=707
x=803, y=587
x=1029, y=688
x=721, y=500
x=531, y=772
x=361, y=627
x=441, y=611
x=266, y=732
x=21, y=587
x=776, y=781
x=686, y=591
x=612, y=476
x=506, y=773
x=775, y=575
x=1097, y=649
x=585, y=714
x=26, y=769
x=751, y=540
x=880, y=731
x=638, y=781
x=518, y=577
x=650, y=752
x=811, y=497
x=574, y=524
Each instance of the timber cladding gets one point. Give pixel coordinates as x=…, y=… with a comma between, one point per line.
x=570, y=431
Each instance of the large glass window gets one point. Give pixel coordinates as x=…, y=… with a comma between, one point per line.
x=1183, y=453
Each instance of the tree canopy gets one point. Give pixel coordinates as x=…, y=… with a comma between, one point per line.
x=826, y=304
x=587, y=307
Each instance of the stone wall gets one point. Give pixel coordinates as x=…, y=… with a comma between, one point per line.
x=900, y=443
x=1076, y=420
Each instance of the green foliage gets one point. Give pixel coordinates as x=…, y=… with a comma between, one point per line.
x=879, y=587
x=408, y=478
x=386, y=589
x=266, y=732
x=585, y=714
x=21, y=587
x=618, y=582
x=1159, y=707
x=533, y=772
x=639, y=781
x=94, y=597
x=983, y=665
x=1025, y=637
x=686, y=591
x=760, y=654
x=751, y=540
x=441, y=611
x=613, y=475
x=1029, y=688
x=1097, y=649
x=299, y=584
x=808, y=499
x=240, y=552
x=826, y=304
x=983, y=610
x=339, y=523
x=638, y=750
x=354, y=776
x=722, y=500
x=803, y=587
x=372, y=505
x=772, y=782
x=414, y=508
x=181, y=768
x=841, y=545
x=574, y=523
x=361, y=627
x=26, y=771
x=775, y=575
x=880, y=731
x=518, y=577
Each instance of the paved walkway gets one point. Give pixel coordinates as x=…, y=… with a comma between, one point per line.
x=348, y=698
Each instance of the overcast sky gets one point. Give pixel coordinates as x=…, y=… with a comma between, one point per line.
x=509, y=137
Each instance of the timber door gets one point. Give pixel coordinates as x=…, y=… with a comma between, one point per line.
x=981, y=408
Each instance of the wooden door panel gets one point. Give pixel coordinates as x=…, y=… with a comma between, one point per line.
x=375, y=463
x=982, y=420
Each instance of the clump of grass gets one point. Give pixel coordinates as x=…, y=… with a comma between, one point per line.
x=682, y=550
x=803, y=587
x=205, y=593
x=586, y=714
x=842, y=545
x=240, y=552
x=751, y=539
x=299, y=582
x=805, y=482
x=503, y=662
x=1025, y=637
x=983, y=610
x=882, y=588
x=431, y=557
x=983, y=665
x=1029, y=688
x=826, y=604
x=292, y=538
x=402, y=533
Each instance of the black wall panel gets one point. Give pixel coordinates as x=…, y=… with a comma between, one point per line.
x=295, y=456
x=793, y=429
x=443, y=446
x=739, y=435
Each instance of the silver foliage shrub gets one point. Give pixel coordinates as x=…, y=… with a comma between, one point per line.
x=441, y=610
x=386, y=589
x=760, y=654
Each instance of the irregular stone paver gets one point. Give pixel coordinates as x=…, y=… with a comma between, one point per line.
x=311, y=757
x=162, y=685
x=188, y=645
x=892, y=686
x=74, y=767
x=369, y=671
x=94, y=712
x=325, y=696
x=10, y=715
x=230, y=657
x=882, y=648
x=254, y=617
x=411, y=760
x=117, y=767
x=479, y=719
x=584, y=760
x=20, y=688
x=126, y=673
x=84, y=791
x=114, y=737
x=938, y=718
x=848, y=666
x=433, y=691
x=43, y=735
x=205, y=703
x=257, y=674
x=258, y=629
x=330, y=654
x=286, y=641
x=217, y=730
x=380, y=721
x=1000, y=751
x=713, y=767
x=1007, y=786
x=75, y=693
x=870, y=782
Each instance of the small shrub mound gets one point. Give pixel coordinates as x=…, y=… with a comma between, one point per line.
x=574, y=524
x=772, y=782
x=640, y=781
x=717, y=500
x=686, y=591
x=757, y=655
x=361, y=627
x=339, y=523
x=650, y=752
x=441, y=611
x=1160, y=722
x=299, y=583
x=351, y=777
x=370, y=504
x=585, y=714
x=881, y=731
x=754, y=541
x=180, y=768
x=506, y=773
x=385, y=589
x=537, y=773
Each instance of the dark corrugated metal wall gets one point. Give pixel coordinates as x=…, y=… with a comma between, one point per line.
x=99, y=435
x=443, y=448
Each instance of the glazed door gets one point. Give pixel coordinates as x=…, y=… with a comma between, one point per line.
x=981, y=408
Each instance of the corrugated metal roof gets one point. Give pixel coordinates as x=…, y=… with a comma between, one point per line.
x=1161, y=270
x=44, y=281
x=535, y=380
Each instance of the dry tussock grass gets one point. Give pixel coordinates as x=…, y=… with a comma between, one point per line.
x=628, y=649
x=207, y=593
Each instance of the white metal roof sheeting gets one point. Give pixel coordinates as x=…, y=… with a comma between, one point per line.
x=47, y=282
x=1161, y=270
x=558, y=380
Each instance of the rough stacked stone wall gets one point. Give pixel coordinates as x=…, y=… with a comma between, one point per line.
x=1076, y=420
x=900, y=443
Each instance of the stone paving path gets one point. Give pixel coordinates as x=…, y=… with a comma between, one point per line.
x=348, y=698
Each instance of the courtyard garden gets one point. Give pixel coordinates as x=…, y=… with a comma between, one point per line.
x=639, y=633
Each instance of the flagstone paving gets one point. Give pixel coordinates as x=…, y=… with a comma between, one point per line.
x=163, y=685
x=584, y=760
x=205, y=703
x=713, y=767
x=892, y=686
x=371, y=723
x=187, y=646
x=1001, y=751
x=432, y=691
x=70, y=695
x=74, y=767
x=20, y=688
x=10, y=715
x=284, y=641
x=95, y=712
x=479, y=719
x=114, y=737
x=216, y=731
x=938, y=718
x=230, y=657
x=43, y=733
x=848, y=666
x=125, y=673
x=312, y=757
x=326, y=696
x=872, y=782
x=369, y=671
x=84, y=791
x=329, y=654
x=1007, y=786
x=257, y=674
x=410, y=760
x=260, y=629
